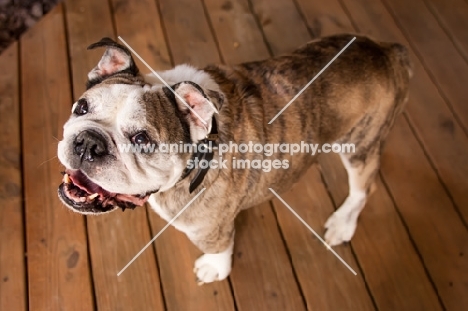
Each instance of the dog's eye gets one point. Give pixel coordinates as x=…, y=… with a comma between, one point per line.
x=140, y=139
x=81, y=107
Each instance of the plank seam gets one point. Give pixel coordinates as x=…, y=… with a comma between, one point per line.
x=304, y=20
x=260, y=28
x=413, y=243
x=155, y=252
x=434, y=168
x=213, y=33
x=349, y=15
x=22, y=165
x=112, y=17
x=442, y=25
x=288, y=253
x=164, y=32
x=353, y=252
x=85, y=220
x=171, y=59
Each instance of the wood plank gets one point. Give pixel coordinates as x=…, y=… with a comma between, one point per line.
x=451, y=14
x=265, y=10
x=174, y=251
x=187, y=32
x=450, y=75
x=139, y=23
x=116, y=237
x=262, y=277
x=176, y=257
x=298, y=239
x=397, y=282
x=235, y=29
x=87, y=22
x=393, y=271
x=12, y=260
x=327, y=284
x=435, y=49
x=440, y=236
x=442, y=137
x=58, y=269
x=411, y=202
x=325, y=19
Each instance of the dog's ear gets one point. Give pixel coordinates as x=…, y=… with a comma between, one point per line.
x=203, y=104
x=116, y=59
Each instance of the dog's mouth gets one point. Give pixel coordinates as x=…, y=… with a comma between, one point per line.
x=83, y=195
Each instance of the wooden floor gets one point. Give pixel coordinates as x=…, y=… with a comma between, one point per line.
x=410, y=250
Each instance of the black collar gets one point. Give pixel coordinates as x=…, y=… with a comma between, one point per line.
x=202, y=153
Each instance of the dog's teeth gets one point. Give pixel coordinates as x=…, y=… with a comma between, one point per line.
x=83, y=199
x=93, y=196
x=66, y=179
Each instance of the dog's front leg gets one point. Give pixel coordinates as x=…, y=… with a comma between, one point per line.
x=217, y=244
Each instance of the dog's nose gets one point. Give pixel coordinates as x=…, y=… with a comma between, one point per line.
x=89, y=146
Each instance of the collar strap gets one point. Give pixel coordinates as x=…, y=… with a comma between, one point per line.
x=206, y=154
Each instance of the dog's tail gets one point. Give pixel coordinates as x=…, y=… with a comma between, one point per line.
x=400, y=55
x=402, y=72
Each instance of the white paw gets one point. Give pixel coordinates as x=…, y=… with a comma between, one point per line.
x=212, y=267
x=340, y=228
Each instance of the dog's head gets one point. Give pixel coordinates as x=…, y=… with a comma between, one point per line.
x=118, y=111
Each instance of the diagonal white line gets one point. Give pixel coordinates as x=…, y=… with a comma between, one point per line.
x=165, y=83
x=313, y=79
x=161, y=231
x=312, y=230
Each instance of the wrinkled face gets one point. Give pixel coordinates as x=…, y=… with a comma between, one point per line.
x=118, y=113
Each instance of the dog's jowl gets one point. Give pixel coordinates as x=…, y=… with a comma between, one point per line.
x=131, y=139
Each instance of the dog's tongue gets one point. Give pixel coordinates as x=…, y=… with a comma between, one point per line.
x=84, y=183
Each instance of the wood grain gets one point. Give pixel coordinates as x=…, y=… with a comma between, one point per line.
x=236, y=31
x=326, y=20
x=58, y=268
x=138, y=22
x=327, y=283
x=435, y=227
x=87, y=22
x=433, y=46
x=413, y=207
x=116, y=237
x=188, y=34
x=411, y=242
x=289, y=31
x=393, y=271
x=443, y=139
x=451, y=15
x=296, y=236
x=176, y=257
x=12, y=260
x=263, y=276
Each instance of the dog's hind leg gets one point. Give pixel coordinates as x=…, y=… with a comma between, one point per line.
x=362, y=169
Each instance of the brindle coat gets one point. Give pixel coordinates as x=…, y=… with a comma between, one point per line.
x=354, y=101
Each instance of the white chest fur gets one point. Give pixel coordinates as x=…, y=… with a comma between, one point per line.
x=164, y=215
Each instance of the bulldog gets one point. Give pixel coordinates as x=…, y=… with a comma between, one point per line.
x=354, y=101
